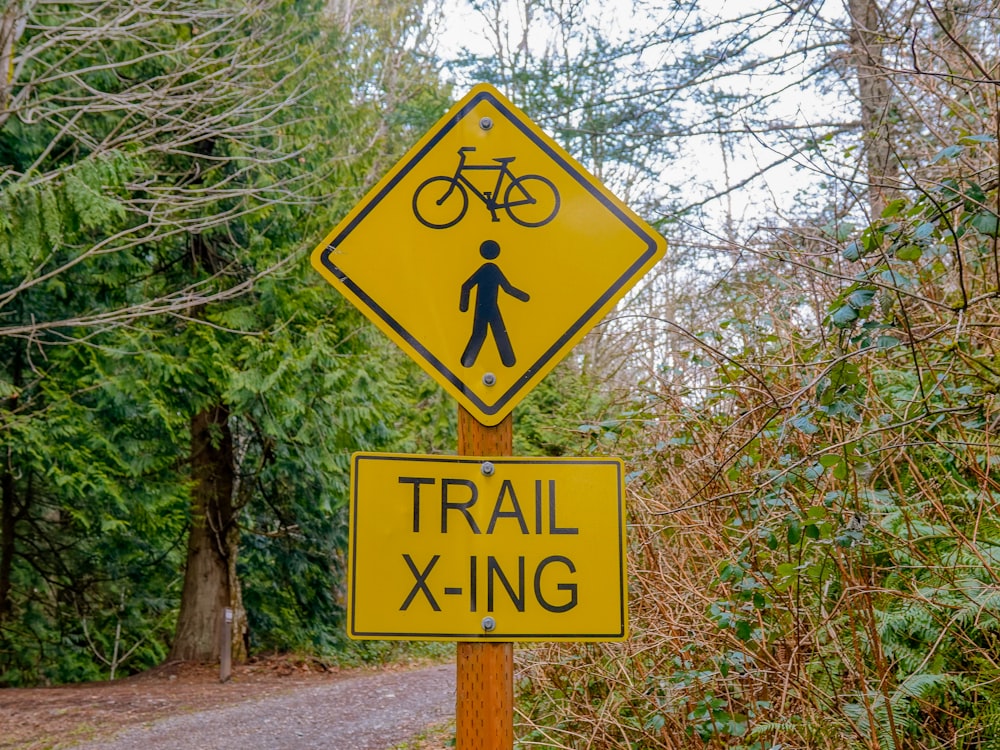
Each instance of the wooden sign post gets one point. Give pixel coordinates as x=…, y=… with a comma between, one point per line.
x=484, y=700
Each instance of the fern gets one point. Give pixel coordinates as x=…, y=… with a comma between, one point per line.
x=91, y=208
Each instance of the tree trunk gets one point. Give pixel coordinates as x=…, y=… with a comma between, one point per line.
x=210, y=583
x=12, y=24
x=876, y=103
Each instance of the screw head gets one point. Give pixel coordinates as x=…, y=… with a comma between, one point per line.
x=489, y=379
x=489, y=624
x=487, y=468
x=486, y=123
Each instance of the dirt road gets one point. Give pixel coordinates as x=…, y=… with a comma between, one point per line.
x=369, y=711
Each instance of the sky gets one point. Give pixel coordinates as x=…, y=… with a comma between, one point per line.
x=699, y=168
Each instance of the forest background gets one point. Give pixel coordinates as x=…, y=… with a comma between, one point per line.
x=805, y=389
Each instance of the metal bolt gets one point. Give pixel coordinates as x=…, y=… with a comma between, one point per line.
x=487, y=468
x=485, y=123
x=489, y=379
x=489, y=624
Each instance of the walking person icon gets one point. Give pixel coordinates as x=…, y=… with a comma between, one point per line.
x=488, y=280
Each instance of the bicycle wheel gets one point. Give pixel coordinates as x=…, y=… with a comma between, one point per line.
x=440, y=202
x=531, y=200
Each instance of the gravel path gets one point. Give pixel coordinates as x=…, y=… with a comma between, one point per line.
x=371, y=712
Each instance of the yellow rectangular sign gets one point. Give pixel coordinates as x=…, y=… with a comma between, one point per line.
x=504, y=549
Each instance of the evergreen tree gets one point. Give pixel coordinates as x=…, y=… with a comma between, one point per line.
x=171, y=370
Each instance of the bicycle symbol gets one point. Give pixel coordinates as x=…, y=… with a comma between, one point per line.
x=530, y=200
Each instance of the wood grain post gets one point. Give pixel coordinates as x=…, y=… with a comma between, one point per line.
x=484, y=702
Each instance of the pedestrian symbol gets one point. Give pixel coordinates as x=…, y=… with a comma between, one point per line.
x=487, y=253
x=487, y=283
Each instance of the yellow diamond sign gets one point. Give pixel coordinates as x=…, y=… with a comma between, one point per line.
x=487, y=253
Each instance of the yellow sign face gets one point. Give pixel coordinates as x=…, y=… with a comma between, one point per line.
x=506, y=549
x=487, y=253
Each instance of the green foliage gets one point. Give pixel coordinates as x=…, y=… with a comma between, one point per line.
x=102, y=502
x=813, y=541
x=556, y=418
x=152, y=265
x=302, y=412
